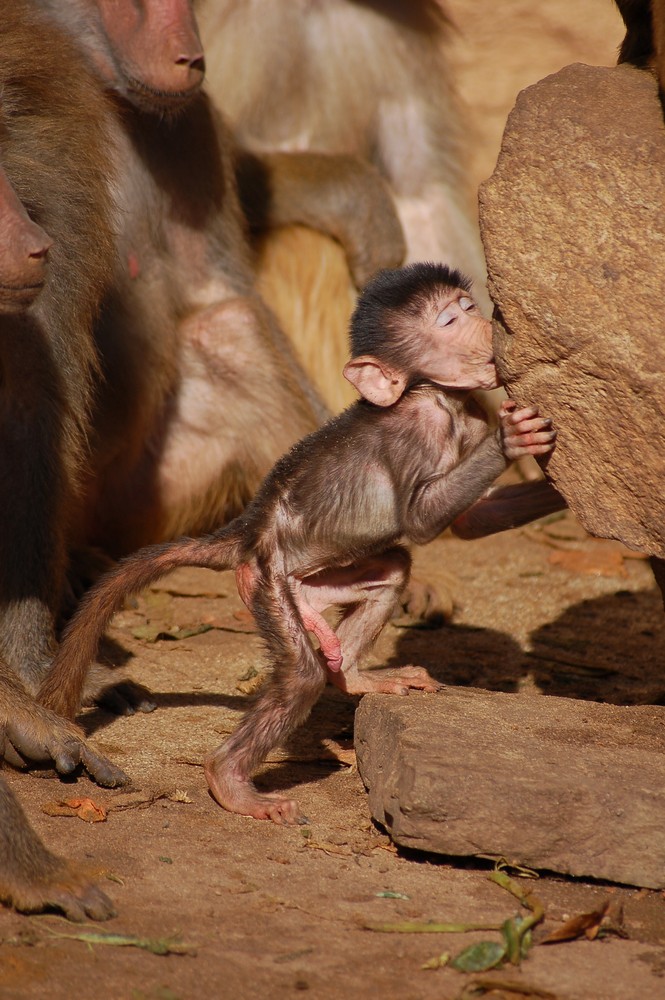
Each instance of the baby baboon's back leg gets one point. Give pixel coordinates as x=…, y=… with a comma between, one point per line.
x=368, y=591
x=297, y=680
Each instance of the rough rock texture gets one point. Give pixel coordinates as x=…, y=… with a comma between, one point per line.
x=573, y=223
x=575, y=787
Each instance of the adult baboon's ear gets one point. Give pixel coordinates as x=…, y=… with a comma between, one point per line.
x=375, y=381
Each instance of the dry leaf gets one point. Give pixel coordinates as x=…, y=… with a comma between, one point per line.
x=85, y=809
x=232, y=621
x=177, y=795
x=328, y=848
x=390, y=848
x=192, y=761
x=141, y=800
x=605, y=561
x=244, y=615
x=251, y=685
x=569, y=535
x=587, y=924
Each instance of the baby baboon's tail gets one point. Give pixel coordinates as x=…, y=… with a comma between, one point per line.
x=62, y=688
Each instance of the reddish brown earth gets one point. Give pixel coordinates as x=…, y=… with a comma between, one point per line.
x=269, y=911
x=273, y=911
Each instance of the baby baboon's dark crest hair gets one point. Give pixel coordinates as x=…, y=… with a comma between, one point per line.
x=405, y=290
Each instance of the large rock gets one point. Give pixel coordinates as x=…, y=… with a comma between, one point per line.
x=573, y=223
x=571, y=786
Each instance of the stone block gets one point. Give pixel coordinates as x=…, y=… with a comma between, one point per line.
x=552, y=783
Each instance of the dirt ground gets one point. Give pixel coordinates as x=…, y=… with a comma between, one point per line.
x=275, y=911
x=262, y=910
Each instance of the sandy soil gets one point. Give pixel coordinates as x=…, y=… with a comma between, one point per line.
x=274, y=910
x=264, y=910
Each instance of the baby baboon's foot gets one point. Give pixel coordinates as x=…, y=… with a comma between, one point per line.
x=394, y=680
x=241, y=796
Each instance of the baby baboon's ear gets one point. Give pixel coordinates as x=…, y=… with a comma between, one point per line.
x=374, y=380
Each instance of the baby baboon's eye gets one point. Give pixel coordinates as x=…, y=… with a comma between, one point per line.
x=446, y=317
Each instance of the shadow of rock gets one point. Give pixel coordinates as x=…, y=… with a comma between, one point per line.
x=609, y=649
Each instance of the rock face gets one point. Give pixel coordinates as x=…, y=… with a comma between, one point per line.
x=571, y=786
x=573, y=223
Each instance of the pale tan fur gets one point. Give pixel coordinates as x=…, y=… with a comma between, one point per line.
x=346, y=77
x=304, y=278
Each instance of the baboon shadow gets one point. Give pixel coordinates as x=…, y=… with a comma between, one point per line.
x=610, y=649
x=464, y=656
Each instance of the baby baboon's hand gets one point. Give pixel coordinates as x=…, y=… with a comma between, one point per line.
x=524, y=432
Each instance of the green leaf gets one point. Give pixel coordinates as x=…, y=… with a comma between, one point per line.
x=151, y=633
x=438, y=962
x=480, y=957
x=501, y=865
x=512, y=937
x=157, y=946
x=526, y=944
x=525, y=897
x=431, y=927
